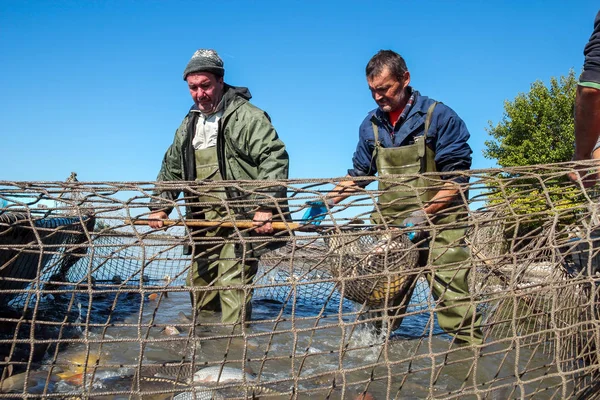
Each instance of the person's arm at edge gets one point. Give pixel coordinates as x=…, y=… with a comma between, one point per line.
x=587, y=121
x=587, y=105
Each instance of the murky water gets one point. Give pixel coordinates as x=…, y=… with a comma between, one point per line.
x=303, y=350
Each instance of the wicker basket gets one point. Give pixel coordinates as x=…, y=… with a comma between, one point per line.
x=377, y=263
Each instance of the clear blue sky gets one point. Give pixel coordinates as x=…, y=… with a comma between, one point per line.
x=95, y=86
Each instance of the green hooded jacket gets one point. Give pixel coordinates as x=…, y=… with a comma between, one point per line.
x=248, y=148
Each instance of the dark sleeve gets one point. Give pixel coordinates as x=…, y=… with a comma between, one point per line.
x=363, y=161
x=591, y=66
x=452, y=150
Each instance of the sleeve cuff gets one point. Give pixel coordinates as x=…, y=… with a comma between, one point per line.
x=589, y=76
x=593, y=85
x=357, y=173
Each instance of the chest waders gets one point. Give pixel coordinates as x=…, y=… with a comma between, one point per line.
x=447, y=252
x=218, y=264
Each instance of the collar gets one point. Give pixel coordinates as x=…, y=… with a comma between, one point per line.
x=382, y=116
x=408, y=106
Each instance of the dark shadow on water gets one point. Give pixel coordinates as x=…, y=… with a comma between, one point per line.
x=60, y=319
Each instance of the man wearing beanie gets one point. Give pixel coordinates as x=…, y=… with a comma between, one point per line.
x=222, y=137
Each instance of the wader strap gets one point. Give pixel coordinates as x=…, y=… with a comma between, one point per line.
x=425, y=133
x=376, y=144
x=375, y=133
x=428, y=118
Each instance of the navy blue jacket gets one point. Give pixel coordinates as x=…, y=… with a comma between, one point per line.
x=591, y=66
x=447, y=137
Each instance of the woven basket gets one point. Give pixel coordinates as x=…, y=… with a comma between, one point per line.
x=375, y=265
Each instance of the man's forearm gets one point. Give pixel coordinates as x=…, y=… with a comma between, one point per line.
x=442, y=199
x=343, y=190
x=587, y=121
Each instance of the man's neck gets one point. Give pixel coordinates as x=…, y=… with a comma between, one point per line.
x=393, y=116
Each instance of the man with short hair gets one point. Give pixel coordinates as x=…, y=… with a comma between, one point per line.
x=412, y=134
x=223, y=137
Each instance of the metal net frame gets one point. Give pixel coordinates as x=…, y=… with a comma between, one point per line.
x=94, y=303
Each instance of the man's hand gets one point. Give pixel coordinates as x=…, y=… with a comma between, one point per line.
x=588, y=178
x=155, y=219
x=417, y=220
x=262, y=221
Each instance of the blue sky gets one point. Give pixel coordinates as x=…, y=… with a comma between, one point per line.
x=95, y=87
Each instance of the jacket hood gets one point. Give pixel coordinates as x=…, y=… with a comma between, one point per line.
x=232, y=91
x=229, y=95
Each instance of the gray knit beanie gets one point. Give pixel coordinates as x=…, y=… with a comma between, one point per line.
x=205, y=60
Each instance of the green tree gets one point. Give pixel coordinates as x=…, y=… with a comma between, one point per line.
x=537, y=128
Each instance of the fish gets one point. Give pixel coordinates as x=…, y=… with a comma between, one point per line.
x=194, y=385
x=96, y=376
x=79, y=364
x=215, y=374
x=36, y=382
x=220, y=374
x=199, y=393
x=184, y=318
x=167, y=370
x=156, y=296
x=171, y=330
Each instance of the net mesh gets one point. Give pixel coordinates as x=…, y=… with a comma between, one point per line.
x=93, y=304
x=373, y=268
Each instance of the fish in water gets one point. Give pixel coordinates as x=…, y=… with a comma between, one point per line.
x=171, y=330
x=182, y=372
x=219, y=374
x=200, y=393
x=78, y=364
x=198, y=384
x=36, y=382
x=215, y=374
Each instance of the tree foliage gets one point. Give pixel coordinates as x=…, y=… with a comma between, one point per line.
x=537, y=128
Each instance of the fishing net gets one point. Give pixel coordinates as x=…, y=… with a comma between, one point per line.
x=373, y=268
x=95, y=304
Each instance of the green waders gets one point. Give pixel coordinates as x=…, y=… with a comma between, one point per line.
x=447, y=251
x=218, y=264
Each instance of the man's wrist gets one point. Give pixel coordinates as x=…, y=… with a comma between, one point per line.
x=578, y=155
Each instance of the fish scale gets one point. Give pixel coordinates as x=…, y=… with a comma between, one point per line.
x=199, y=395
